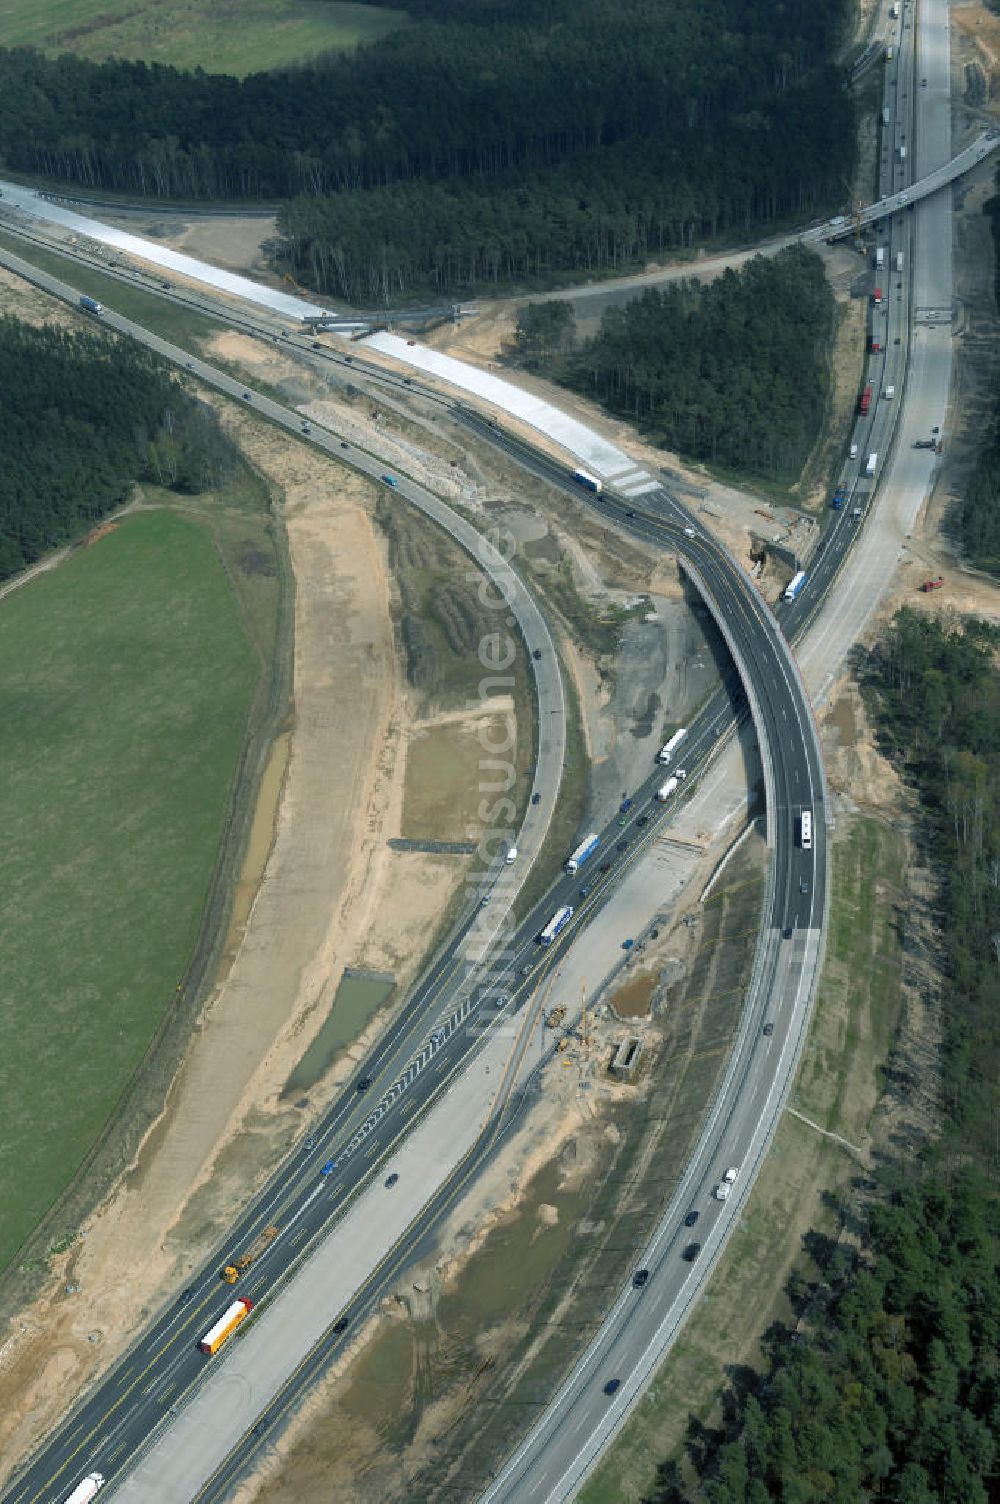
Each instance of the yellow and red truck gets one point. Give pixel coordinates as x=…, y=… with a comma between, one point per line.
x=232, y=1317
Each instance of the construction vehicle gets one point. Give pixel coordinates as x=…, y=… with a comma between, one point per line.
x=239, y=1266
x=557, y=1015
x=932, y=585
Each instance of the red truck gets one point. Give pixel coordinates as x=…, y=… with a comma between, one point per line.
x=875, y=345
x=865, y=401
x=932, y=585
x=877, y=297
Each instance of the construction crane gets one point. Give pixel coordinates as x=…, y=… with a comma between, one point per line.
x=856, y=208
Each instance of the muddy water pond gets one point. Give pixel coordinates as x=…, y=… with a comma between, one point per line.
x=355, y=1001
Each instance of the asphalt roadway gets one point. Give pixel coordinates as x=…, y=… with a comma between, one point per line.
x=555, y=1457
x=405, y=1073
x=411, y=1066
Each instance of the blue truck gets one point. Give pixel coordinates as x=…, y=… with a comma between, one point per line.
x=588, y=481
x=91, y=305
x=839, y=499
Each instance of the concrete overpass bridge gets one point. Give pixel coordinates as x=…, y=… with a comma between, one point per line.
x=977, y=151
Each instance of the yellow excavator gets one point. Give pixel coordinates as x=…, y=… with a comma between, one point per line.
x=263, y=1240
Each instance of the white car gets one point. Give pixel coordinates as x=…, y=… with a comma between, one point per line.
x=731, y=1175
x=681, y=773
x=511, y=856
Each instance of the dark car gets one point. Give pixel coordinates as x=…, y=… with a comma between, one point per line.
x=605, y=866
x=639, y=1278
x=625, y=806
x=584, y=892
x=390, y=1180
x=612, y=1386
x=691, y=1252
x=341, y=1324
x=786, y=934
x=691, y=1217
x=536, y=655
x=364, y=1083
x=186, y=1295
x=621, y=845
x=536, y=798
x=246, y=396
x=642, y=820
x=630, y=516
x=768, y=1030
x=407, y=381
x=317, y=345
x=344, y=444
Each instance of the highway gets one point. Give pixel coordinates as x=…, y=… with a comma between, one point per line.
x=412, y=1066
x=407, y=1073
x=555, y=1457
x=116, y=1420
x=964, y=161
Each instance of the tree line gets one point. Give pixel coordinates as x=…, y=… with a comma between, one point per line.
x=482, y=143
x=82, y=418
x=888, y=1386
x=733, y=372
x=977, y=515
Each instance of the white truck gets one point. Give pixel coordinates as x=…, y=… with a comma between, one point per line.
x=666, y=789
x=899, y=261
x=902, y=152
x=583, y=853
x=87, y=1489
x=722, y=1190
x=890, y=392
x=668, y=749
x=871, y=466
x=880, y=257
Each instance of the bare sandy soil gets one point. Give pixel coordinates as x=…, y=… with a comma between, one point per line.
x=229, y=240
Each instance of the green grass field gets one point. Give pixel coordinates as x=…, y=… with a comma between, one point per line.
x=126, y=679
x=221, y=36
